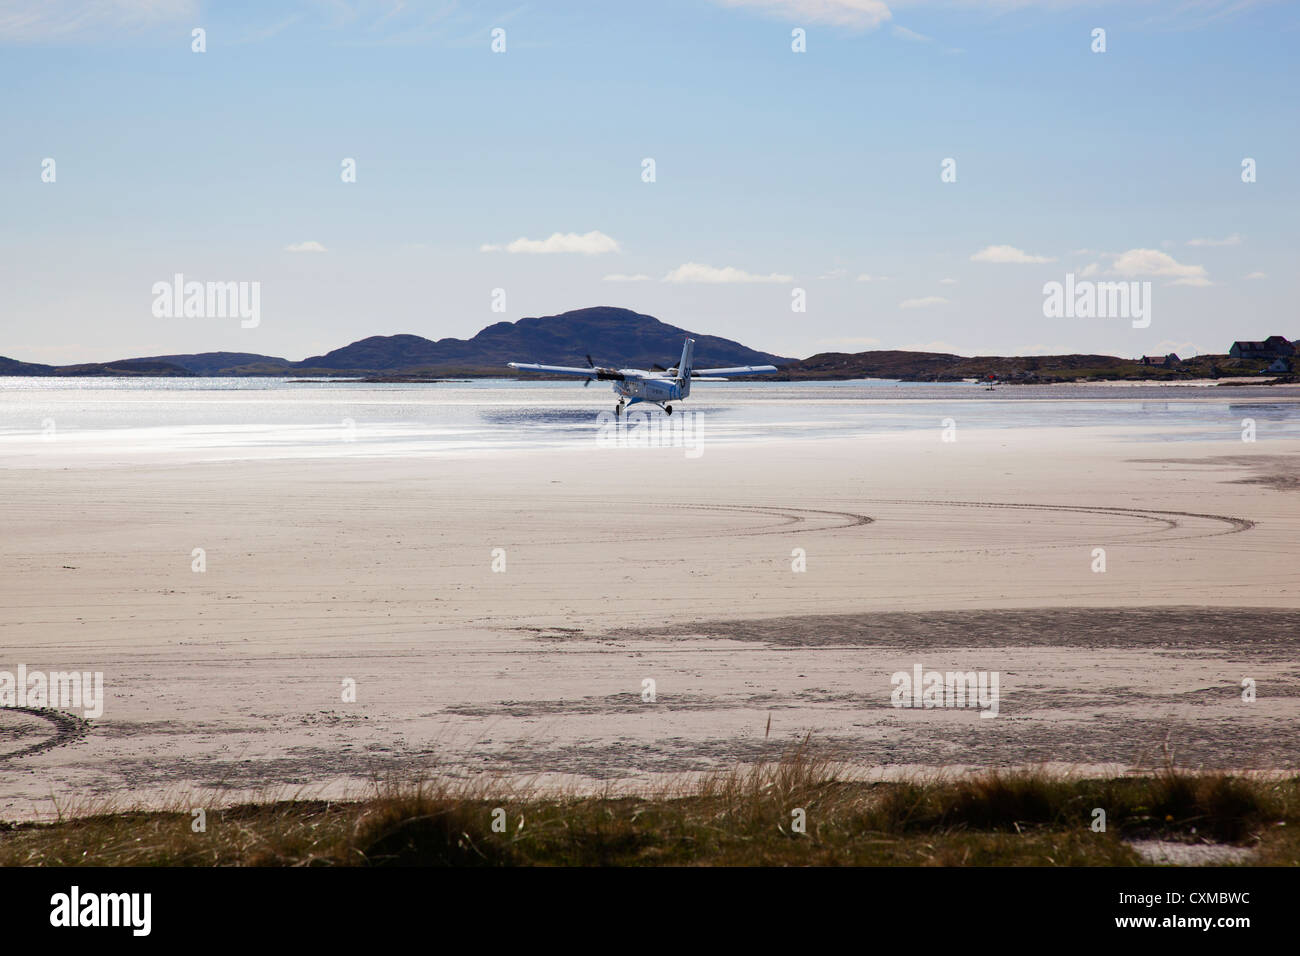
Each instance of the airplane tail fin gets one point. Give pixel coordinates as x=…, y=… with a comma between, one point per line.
x=684, y=367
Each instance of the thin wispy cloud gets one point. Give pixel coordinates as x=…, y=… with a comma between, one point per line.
x=388, y=22
x=869, y=14
x=592, y=243
x=1232, y=240
x=1184, y=13
x=906, y=34
x=699, y=272
x=868, y=277
x=621, y=277
x=311, y=245
x=37, y=21
x=924, y=302
x=357, y=22
x=1202, y=13
x=1257, y=275
x=1009, y=255
x=855, y=14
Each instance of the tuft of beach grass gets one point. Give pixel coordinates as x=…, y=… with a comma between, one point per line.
x=800, y=809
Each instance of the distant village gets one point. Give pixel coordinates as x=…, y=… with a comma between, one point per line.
x=1276, y=349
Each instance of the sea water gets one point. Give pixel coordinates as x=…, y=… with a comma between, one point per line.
x=47, y=420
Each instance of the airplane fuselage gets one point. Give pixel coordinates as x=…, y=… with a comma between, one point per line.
x=657, y=390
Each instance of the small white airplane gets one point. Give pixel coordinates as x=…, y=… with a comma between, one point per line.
x=658, y=387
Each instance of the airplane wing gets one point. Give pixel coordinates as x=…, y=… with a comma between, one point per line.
x=555, y=369
x=738, y=370
x=597, y=373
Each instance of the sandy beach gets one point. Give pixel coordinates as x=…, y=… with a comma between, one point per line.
x=623, y=566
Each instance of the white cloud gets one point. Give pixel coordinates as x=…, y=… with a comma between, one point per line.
x=947, y=282
x=1153, y=262
x=698, y=272
x=857, y=14
x=868, y=277
x=1232, y=240
x=620, y=277
x=923, y=302
x=1008, y=255
x=310, y=245
x=588, y=244
x=834, y=274
x=1257, y=275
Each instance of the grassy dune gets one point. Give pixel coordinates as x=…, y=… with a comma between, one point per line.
x=742, y=817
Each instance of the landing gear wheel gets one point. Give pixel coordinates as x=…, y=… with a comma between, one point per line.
x=618, y=409
x=668, y=409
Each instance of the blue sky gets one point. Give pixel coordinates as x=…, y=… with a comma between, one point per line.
x=775, y=170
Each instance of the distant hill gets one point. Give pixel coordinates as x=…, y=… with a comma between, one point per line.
x=214, y=363
x=10, y=366
x=612, y=336
x=617, y=337
x=882, y=364
x=125, y=367
x=626, y=339
x=148, y=367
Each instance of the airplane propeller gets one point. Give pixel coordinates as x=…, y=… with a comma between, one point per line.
x=602, y=374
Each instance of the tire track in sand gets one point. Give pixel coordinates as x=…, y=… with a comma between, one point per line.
x=1170, y=519
x=793, y=516
x=805, y=520
x=67, y=729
